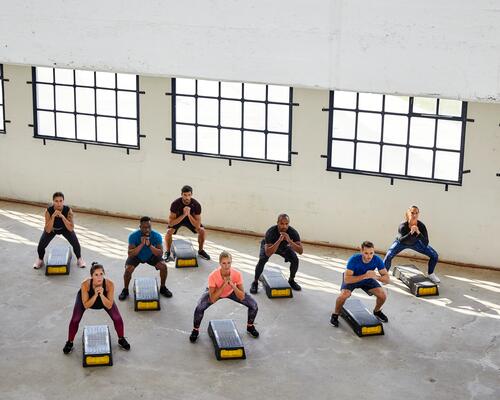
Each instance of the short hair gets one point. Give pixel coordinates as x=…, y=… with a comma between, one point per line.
x=186, y=189
x=283, y=215
x=95, y=266
x=225, y=254
x=367, y=245
x=57, y=194
x=145, y=219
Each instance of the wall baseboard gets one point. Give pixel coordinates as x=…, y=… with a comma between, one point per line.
x=93, y=211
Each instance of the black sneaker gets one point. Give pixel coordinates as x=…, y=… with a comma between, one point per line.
x=68, y=347
x=166, y=256
x=334, y=320
x=381, y=316
x=203, y=254
x=254, y=287
x=123, y=343
x=294, y=285
x=194, y=335
x=123, y=295
x=252, y=331
x=165, y=292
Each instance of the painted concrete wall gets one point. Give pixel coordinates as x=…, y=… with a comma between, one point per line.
x=463, y=222
x=447, y=48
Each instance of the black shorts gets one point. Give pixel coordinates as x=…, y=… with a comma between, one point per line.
x=134, y=261
x=187, y=223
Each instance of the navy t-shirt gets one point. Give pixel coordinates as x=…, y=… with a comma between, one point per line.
x=145, y=254
x=273, y=234
x=358, y=267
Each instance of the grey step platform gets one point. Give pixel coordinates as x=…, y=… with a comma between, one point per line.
x=97, y=346
x=226, y=339
x=361, y=320
x=275, y=284
x=146, y=294
x=58, y=260
x=184, y=254
x=417, y=282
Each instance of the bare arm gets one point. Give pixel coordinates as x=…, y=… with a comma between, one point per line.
x=384, y=276
x=270, y=249
x=86, y=300
x=108, y=300
x=68, y=222
x=350, y=278
x=173, y=219
x=215, y=293
x=49, y=222
x=157, y=251
x=195, y=220
x=134, y=250
x=239, y=291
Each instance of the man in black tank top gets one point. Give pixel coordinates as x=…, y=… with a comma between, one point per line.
x=58, y=221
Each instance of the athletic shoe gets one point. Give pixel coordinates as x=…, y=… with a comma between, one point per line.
x=123, y=343
x=294, y=285
x=334, y=320
x=38, y=264
x=166, y=256
x=81, y=263
x=254, y=288
x=252, y=331
x=68, y=347
x=123, y=295
x=434, y=278
x=194, y=335
x=381, y=316
x=203, y=254
x=165, y=292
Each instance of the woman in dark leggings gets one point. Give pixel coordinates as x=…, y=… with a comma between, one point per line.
x=413, y=235
x=96, y=293
x=58, y=221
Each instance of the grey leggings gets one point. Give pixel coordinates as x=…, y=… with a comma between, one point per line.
x=204, y=303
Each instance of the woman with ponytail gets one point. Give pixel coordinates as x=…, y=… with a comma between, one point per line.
x=97, y=293
x=413, y=235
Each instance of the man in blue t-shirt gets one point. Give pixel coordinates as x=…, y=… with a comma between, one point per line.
x=145, y=246
x=360, y=273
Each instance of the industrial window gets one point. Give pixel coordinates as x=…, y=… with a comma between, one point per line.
x=400, y=137
x=2, y=107
x=235, y=121
x=86, y=106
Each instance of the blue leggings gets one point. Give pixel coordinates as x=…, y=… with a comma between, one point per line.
x=204, y=303
x=397, y=247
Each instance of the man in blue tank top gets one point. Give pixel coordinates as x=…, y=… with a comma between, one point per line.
x=58, y=221
x=145, y=246
x=360, y=274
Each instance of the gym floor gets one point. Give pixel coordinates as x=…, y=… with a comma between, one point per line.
x=444, y=347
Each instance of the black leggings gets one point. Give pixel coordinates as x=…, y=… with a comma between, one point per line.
x=289, y=256
x=47, y=237
x=204, y=303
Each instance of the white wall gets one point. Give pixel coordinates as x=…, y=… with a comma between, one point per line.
x=463, y=223
x=446, y=48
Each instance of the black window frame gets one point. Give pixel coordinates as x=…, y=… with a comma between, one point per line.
x=463, y=118
x=230, y=158
x=3, y=129
x=85, y=142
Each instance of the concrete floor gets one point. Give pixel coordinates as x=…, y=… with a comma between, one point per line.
x=443, y=348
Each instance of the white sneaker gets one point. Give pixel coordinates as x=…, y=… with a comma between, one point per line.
x=38, y=264
x=434, y=278
x=81, y=263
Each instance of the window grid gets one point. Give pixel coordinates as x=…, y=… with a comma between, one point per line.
x=133, y=144
x=407, y=146
x=242, y=129
x=2, y=102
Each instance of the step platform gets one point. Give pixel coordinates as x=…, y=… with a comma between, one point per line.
x=226, y=339
x=275, y=284
x=97, y=346
x=58, y=260
x=419, y=284
x=362, y=321
x=184, y=254
x=146, y=294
